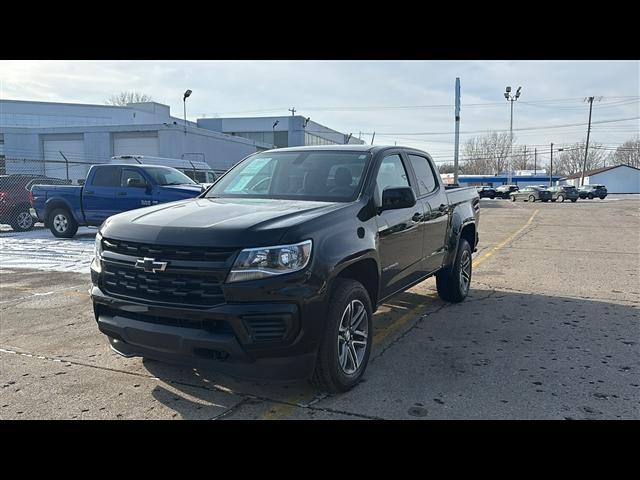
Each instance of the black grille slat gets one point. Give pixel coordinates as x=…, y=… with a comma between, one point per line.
x=166, y=252
x=266, y=329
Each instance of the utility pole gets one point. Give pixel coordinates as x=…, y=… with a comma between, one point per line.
x=292, y=110
x=586, y=149
x=535, y=160
x=511, y=98
x=551, y=166
x=374, y=136
x=457, y=135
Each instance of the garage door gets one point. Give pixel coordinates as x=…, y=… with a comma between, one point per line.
x=127, y=144
x=55, y=165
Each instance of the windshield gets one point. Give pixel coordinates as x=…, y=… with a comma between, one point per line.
x=168, y=176
x=306, y=175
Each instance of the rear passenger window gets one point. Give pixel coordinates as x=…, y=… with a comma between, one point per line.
x=107, y=177
x=426, y=178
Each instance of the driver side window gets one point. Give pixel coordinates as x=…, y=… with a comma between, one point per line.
x=391, y=174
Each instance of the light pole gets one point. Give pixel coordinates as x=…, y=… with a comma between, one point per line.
x=184, y=101
x=511, y=98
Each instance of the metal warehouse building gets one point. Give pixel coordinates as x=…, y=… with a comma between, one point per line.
x=286, y=131
x=618, y=179
x=42, y=137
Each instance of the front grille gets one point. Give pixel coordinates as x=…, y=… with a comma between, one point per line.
x=165, y=252
x=264, y=328
x=162, y=287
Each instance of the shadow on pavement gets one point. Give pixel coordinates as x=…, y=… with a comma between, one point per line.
x=496, y=355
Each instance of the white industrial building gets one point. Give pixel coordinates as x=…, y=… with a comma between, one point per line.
x=49, y=138
x=284, y=131
x=617, y=179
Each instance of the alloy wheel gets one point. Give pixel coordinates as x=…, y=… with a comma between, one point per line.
x=353, y=334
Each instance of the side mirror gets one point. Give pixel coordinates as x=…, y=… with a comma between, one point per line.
x=394, y=198
x=135, y=182
x=81, y=181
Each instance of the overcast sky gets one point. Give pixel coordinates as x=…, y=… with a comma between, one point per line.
x=346, y=95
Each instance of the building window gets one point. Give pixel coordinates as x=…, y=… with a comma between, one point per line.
x=311, y=139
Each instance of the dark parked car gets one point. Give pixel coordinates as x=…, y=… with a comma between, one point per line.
x=486, y=192
x=531, y=194
x=276, y=270
x=15, y=198
x=503, y=191
x=561, y=193
x=592, y=191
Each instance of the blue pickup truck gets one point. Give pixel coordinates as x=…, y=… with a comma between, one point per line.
x=108, y=189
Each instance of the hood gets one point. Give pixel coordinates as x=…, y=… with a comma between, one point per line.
x=215, y=222
x=189, y=191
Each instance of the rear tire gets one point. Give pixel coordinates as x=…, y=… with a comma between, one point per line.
x=346, y=343
x=513, y=198
x=560, y=199
x=532, y=199
x=21, y=220
x=573, y=200
x=453, y=282
x=590, y=196
x=62, y=224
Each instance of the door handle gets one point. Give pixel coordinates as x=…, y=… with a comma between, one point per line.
x=416, y=217
x=89, y=192
x=121, y=194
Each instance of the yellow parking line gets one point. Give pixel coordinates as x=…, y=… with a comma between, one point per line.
x=283, y=410
x=484, y=257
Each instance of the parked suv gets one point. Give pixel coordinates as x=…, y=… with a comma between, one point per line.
x=591, y=191
x=561, y=193
x=15, y=198
x=276, y=270
x=531, y=194
x=486, y=192
x=503, y=191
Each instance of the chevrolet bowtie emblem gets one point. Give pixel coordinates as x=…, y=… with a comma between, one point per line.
x=150, y=265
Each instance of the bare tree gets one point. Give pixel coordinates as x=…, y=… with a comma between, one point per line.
x=628, y=153
x=570, y=160
x=486, y=154
x=122, y=98
x=446, y=168
x=522, y=158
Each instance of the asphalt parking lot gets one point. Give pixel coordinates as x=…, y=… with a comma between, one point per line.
x=551, y=330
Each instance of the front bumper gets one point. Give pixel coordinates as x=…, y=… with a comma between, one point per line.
x=229, y=338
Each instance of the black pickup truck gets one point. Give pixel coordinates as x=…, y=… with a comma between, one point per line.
x=276, y=270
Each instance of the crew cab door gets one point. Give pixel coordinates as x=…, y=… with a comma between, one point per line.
x=432, y=194
x=132, y=197
x=98, y=194
x=399, y=232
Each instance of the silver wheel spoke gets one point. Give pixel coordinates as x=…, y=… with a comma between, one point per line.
x=353, y=357
x=358, y=319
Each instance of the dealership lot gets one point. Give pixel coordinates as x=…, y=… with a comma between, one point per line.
x=551, y=330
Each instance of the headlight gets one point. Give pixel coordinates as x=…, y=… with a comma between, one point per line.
x=255, y=263
x=98, y=246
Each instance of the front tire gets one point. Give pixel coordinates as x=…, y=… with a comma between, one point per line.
x=346, y=344
x=453, y=282
x=590, y=196
x=532, y=199
x=62, y=224
x=21, y=220
x=560, y=198
x=513, y=198
x=573, y=200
